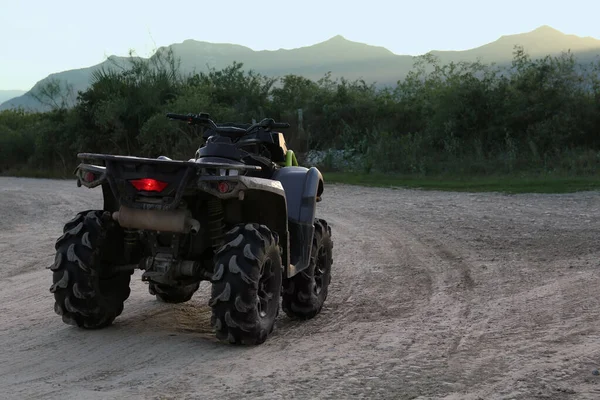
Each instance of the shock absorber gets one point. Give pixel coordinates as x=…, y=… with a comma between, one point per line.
x=130, y=239
x=216, y=227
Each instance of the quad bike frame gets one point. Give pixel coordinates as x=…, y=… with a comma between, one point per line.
x=293, y=192
x=241, y=214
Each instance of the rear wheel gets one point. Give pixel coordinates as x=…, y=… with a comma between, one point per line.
x=246, y=285
x=88, y=292
x=173, y=294
x=305, y=293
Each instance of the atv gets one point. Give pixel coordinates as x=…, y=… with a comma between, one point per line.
x=241, y=214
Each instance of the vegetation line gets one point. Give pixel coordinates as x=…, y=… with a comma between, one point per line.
x=538, y=118
x=502, y=184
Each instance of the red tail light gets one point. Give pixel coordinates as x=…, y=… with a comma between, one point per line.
x=149, y=185
x=223, y=187
x=89, y=177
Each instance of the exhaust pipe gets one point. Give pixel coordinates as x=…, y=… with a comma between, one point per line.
x=177, y=221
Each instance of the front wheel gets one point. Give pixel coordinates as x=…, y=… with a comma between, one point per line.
x=246, y=285
x=304, y=294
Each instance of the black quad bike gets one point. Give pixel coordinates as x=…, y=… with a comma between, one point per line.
x=241, y=214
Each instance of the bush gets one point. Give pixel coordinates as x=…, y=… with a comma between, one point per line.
x=466, y=118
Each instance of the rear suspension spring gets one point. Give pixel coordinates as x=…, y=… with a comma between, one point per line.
x=216, y=227
x=130, y=239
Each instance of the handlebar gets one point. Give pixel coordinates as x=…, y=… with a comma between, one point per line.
x=194, y=119
x=204, y=119
x=269, y=123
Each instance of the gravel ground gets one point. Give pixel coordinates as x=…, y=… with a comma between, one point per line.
x=435, y=295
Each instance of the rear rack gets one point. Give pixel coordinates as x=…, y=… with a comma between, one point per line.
x=143, y=160
x=117, y=170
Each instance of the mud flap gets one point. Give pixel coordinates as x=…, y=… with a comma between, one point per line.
x=300, y=235
x=302, y=187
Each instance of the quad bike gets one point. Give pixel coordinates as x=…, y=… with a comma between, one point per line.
x=241, y=214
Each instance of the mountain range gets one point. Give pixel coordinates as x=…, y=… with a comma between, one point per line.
x=340, y=56
x=10, y=94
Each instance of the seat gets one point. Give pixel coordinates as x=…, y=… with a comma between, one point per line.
x=279, y=148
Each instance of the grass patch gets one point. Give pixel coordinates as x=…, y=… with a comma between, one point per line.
x=502, y=184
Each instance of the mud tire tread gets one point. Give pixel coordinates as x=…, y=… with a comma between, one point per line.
x=299, y=301
x=234, y=302
x=86, y=293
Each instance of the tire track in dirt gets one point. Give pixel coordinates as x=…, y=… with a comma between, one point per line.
x=449, y=300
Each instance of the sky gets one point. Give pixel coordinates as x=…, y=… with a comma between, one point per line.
x=40, y=37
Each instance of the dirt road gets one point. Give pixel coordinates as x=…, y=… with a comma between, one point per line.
x=434, y=296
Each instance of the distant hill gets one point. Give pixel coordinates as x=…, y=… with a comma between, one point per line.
x=342, y=57
x=9, y=94
x=537, y=43
x=78, y=79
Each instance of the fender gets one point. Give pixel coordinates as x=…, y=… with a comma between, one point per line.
x=303, y=188
x=264, y=201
